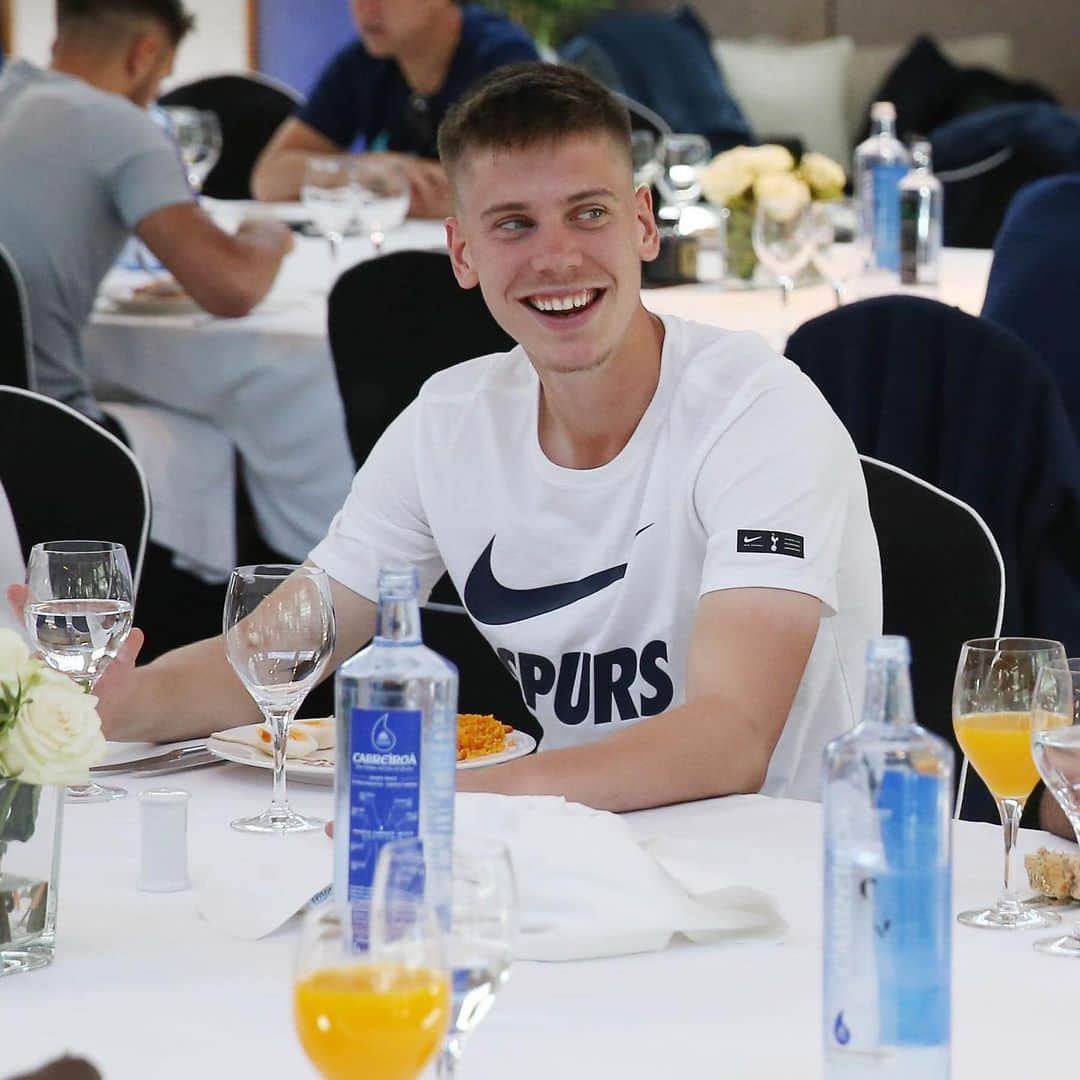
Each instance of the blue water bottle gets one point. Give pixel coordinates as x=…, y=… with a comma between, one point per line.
x=396, y=712
x=888, y=905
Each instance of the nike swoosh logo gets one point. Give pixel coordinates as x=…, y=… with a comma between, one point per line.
x=495, y=604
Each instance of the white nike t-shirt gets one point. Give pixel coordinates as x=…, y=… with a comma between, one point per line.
x=586, y=581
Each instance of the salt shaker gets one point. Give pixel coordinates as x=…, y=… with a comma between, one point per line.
x=163, y=827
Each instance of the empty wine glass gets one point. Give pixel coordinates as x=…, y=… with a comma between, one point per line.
x=198, y=135
x=682, y=159
x=783, y=239
x=329, y=195
x=645, y=156
x=1055, y=746
x=373, y=1006
x=382, y=196
x=841, y=249
x=279, y=636
x=481, y=924
x=78, y=613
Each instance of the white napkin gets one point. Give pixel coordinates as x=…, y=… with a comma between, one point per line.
x=586, y=887
x=304, y=739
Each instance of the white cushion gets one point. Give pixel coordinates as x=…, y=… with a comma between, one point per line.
x=786, y=89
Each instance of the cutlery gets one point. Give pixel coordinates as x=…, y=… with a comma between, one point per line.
x=169, y=757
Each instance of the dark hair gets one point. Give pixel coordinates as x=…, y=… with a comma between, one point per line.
x=524, y=104
x=170, y=13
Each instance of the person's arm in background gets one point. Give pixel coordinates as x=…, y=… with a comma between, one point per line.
x=227, y=274
x=1051, y=817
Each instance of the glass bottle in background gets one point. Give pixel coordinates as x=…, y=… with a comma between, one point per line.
x=888, y=787
x=396, y=709
x=881, y=162
x=922, y=208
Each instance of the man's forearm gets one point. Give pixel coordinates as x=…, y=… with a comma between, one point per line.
x=696, y=751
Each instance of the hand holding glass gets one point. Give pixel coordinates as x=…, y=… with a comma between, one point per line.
x=279, y=636
x=993, y=716
x=78, y=613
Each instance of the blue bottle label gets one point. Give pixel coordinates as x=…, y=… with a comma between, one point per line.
x=886, y=180
x=384, y=787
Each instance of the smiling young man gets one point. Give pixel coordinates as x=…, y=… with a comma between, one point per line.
x=660, y=527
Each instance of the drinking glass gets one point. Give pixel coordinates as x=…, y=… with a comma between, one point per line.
x=78, y=613
x=329, y=195
x=382, y=196
x=840, y=249
x=376, y=1008
x=993, y=701
x=645, y=156
x=783, y=239
x=198, y=135
x=482, y=924
x=279, y=636
x=682, y=158
x=1055, y=746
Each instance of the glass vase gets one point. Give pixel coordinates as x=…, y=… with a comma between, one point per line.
x=30, y=822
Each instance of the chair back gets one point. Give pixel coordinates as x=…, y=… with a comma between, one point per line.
x=250, y=109
x=943, y=584
x=16, y=360
x=1034, y=287
x=67, y=478
x=968, y=407
x=394, y=321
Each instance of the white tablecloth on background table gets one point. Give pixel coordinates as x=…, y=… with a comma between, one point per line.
x=267, y=381
x=146, y=989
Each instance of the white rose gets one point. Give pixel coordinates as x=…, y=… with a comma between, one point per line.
x=723, y=181
x=768, y=159
x=825, y=177
x=781, y=195
x=56, y=737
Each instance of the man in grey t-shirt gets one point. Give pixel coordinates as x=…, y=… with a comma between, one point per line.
x=83, y=166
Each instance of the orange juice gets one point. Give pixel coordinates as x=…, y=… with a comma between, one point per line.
x=999, y=746
x=377, y=1023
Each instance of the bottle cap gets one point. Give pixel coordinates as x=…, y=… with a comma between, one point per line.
x=163, y=829
x=883, y=110
x=921, y=154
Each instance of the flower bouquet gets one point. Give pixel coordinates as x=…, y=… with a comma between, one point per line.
x=50, y=735
x=740, y=178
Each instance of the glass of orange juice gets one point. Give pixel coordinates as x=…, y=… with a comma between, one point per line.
x=994, y=710
x=371, y=999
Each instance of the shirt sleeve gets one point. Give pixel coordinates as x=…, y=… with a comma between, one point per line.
x=337, y=107
x=137, y=161
x=773, y=495
x=383, y=521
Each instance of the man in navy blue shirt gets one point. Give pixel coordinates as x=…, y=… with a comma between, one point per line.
x=386, y=94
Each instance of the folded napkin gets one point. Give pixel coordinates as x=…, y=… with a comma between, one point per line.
x=304, y=739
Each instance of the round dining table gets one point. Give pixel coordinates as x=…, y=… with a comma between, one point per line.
x=147, y=989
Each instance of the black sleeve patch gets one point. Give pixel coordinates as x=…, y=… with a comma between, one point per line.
x=767, y=542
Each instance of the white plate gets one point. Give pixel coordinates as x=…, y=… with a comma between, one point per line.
x=312, y=770
x=126, y=301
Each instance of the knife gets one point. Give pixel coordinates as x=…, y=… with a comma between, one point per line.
x=154, y=761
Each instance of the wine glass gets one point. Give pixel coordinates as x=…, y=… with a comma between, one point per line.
x=480, y=933
x=682, y=159
x=328, y=193
x=645, y=157
x=79, y=609
x=1055, y=746
x=840, y=250
x=279, y=636
x=198, y=135
x=377, y=1007
x=993, y=699
x=382, y=196
x=783, y=239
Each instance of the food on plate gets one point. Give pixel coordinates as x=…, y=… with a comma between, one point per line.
x=480, y=736
x=301, y=742
x=1054, y=873
x=165, y=288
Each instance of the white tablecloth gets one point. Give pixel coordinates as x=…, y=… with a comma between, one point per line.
x=147, y=989
x=267, y=381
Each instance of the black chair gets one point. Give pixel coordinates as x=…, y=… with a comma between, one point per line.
x=968, y=407
x=944, y=584
x=67, y=478
x=16, y=364
x=250, y=108
x=383, y=352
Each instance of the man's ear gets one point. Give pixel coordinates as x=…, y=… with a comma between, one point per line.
x=649, y=232
x=460, y=259
x=142, y=54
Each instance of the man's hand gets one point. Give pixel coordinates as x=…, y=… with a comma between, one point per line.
x=269, y=233
x=114, y=686
x=430, y=188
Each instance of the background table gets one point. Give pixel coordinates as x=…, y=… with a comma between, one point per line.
x=144, y=987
